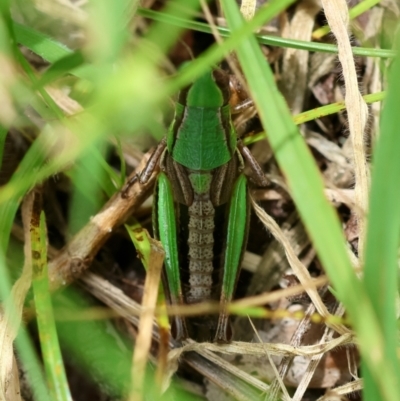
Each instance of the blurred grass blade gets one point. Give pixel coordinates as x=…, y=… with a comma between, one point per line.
x=50, y=50
x=50, y=103
x=122, y=176
x=91, y=181
x=96, y=347
x=3, y=135
x=318, y=215
x=49, y=345
x=41, y=44
x=61, y=67
x=32, y=365
x=20, y=183
x=382, y=243
x=108, y=23
x=181, y=9
x=148, y=251
x=142, y=242
x=154, y=259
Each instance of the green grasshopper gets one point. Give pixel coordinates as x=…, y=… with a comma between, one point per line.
x=201, y=208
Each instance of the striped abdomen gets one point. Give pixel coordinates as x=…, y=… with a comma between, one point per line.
x=200, y=240
x=200, y=243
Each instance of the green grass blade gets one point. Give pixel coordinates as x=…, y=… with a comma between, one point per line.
x=122, y=177
x=41, y=44
x=141, y=240
x=53, y=361
x=381, y=256
x=290, y=149
x=333, y=108
x=269, y=40
x=19, y=184
x=53, y=107
x=384, y=216
x=318, y=112
x=318, y=215
x=61, y=67
x=92, y=179
x=3, y=134
x=25, y=348
x=98, y=349
x=50, y=50
x=31, y=364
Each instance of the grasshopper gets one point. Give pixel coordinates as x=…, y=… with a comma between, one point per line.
x=201, y=208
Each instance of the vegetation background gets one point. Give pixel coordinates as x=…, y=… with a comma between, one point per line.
x=84, y=91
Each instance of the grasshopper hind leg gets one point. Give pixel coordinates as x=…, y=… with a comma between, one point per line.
x=178, y=328
x=165, y=229
x=236, y=239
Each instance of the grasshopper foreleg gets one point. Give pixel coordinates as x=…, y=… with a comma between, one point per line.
x=153, y=162
x=144, y=176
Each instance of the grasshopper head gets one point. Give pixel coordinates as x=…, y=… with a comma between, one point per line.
x=209, y=91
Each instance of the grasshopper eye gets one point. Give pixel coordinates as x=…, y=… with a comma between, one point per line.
x=221, y=78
